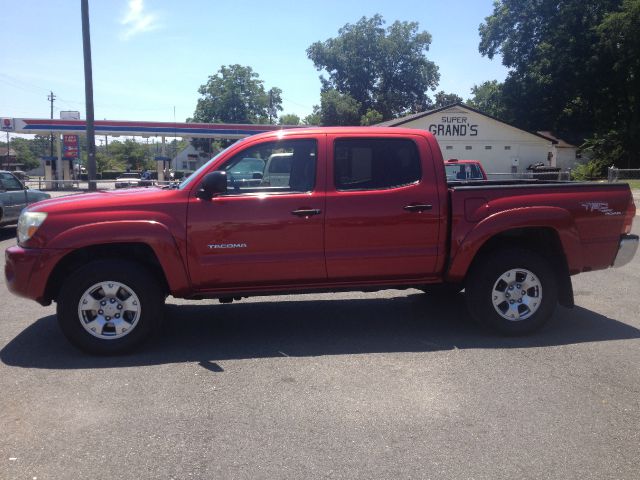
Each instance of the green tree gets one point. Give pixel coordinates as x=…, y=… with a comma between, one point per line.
x=24, y=154
x=105, y=162
x=314, y=118
x=275, y=103
x=289, y=119
x=235, y=94
x=40, y=146
x=618, y=120
x=443, y=99
x=554, y=80
x=338, y=108
x=381, y=69
x=574, y=68
x=371, y=117
x=487, y=97
x=131, y=154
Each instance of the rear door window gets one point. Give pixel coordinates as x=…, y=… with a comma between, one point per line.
x=375, y=163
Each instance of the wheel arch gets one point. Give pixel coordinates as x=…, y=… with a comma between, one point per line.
x=139, y=253
x=546, y=242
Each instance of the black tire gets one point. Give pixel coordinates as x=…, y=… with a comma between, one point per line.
x=135, y=298
x=513, y=291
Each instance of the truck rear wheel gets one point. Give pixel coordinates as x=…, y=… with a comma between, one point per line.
x=513, y=291
x=109, y=306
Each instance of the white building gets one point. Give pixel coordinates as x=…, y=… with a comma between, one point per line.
x=189, y=159
x=465, y=133
x=564, y=154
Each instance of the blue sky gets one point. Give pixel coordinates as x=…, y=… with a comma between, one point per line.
x=150, y=57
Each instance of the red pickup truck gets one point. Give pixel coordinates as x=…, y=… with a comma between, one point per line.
x=355, y=209
x=464, y=170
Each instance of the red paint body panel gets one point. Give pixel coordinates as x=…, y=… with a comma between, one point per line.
x=27, y=270
x=589, y=237
x=368, y=233
x=358, y=239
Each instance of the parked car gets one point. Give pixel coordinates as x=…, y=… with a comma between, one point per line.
x=246, y=172
x=365, y=208
x=22, y=176
x=464, y=170
x=127, y=180
x=276, y=172
x=14, y=196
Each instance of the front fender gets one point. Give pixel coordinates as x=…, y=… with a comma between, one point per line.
x=149, y=232
x=558, y=219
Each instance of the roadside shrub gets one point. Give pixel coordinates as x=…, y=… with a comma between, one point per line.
x=592, y=170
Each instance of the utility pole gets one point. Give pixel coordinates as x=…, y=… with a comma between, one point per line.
x=8, y=150
x=88, y=92
x=51, y=97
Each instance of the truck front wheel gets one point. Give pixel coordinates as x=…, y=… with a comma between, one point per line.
x=513, y=291
x=109, y=306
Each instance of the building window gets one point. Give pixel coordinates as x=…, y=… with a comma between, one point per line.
x=507, y=147
x=487, y=147
x=468, y=147
x=449, y=147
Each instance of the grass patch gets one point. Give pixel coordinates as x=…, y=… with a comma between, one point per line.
x=633, y=183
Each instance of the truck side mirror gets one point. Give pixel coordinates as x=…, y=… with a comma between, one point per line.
x=213, y=183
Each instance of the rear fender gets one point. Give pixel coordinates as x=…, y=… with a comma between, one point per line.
x=558, y=219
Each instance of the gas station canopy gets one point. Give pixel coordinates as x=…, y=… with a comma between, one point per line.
x=134, y=128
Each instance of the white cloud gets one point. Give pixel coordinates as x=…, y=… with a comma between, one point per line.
x=137, y=20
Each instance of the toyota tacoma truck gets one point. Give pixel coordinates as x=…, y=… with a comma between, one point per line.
x=360, y=209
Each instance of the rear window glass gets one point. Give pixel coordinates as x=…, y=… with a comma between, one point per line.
x=369, y=164
x=463, y=171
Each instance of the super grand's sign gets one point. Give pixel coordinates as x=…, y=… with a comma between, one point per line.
x=453, y=127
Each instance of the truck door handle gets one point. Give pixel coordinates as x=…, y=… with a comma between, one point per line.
x=418, y=207
x=306, y=212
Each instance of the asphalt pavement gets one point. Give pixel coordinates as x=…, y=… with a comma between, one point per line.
x=388, y=385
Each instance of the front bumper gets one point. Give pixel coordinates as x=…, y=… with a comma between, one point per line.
x=27, y=271
x=626, y=250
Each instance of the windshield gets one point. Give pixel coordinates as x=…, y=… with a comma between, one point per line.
x=190, y=178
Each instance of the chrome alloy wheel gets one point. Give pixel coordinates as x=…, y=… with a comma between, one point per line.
x=517, y=294
x=109, y=310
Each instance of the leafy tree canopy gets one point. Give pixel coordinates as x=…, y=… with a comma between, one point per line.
x=549, y=47
x=289, y=119
x=339, y=108
x=443, y=99
x=235, y=94
x=376, y=68
x=313, y=118
x=371, y=117
x=574, y=67
x=128, y=154
x=487, y=97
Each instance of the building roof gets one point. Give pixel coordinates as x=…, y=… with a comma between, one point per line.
x=559, y=142
x=396, y=122
x=3, y=152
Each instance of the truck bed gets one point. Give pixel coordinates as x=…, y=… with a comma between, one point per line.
x=585, y=217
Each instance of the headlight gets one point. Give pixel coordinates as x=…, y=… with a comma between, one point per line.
x=28, y=224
